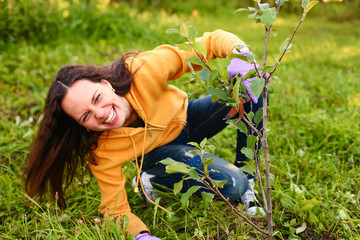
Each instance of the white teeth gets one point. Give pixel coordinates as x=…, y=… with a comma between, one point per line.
x=111, y=116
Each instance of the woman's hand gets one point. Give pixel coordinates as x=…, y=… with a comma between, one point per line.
x=146, y=236
x=241, y=67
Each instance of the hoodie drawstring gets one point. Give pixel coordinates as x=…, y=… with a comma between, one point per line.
x=139, y=168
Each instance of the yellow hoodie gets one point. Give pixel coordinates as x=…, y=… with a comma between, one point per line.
x=162, y=107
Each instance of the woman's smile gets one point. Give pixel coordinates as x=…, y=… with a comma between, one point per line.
x=112, y=117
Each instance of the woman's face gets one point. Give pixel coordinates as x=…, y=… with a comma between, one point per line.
x=95, y=106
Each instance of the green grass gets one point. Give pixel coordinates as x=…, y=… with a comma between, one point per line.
x=314, y=133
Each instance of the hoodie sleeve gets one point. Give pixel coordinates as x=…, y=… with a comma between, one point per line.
x=114, y=203
x=168, y=62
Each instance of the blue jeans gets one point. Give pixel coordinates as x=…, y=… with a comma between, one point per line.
x=204, y=119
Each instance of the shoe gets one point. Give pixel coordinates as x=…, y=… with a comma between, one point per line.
x=148, y=187
x=250, y=200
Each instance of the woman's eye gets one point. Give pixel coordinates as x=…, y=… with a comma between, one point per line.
x=97, y=98
x=85, y=117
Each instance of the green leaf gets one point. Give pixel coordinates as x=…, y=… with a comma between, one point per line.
x=246, y=169
x=207, y=198
x=301, y=229
x=268, y=16
x=185, y=46
x=240, y=10
x=249, y=153
x=193, y=34
x=194, y=175
x=203, y=143
x=242, y=127
x=281, y=2
x=168, y=161
x=207, y=161
x=310, y=5
x=293, y=222
x=220, y=183
x=251, y=141
x=264, y=6
x=249, y=167
x=250, y=116
x=304, y=3
x=250, y=57
x=184, y=29
x=220, y=64
x=200, y=48
x=178, y=167
x=217, y=92
x=256, y=86
x=204, y=75
x=185, y=197
x=313, y=218
x=178, y=186
x=253, y=15
x=307, y=205
x=342, y=214
x=194, y=144
x=196, y=61
x=242, y=57
x=214, y=75
x=236, y=89
x=258, y=116
x=172, y=31
x=157, y=201
x=283, y=45
x=270, y=68
x=270, y=89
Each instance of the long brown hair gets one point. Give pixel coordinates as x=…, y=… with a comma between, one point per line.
x=61, y=144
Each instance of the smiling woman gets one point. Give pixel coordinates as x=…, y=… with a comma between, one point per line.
x=127, y=111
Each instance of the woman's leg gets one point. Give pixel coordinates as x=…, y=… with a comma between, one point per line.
x=219, y=169
x=205, y=119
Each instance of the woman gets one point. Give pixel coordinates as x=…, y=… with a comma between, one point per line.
x=125, y=111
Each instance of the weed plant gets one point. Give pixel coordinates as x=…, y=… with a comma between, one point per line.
x=314, y=121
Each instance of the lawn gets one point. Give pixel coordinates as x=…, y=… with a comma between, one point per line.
x=314, y=137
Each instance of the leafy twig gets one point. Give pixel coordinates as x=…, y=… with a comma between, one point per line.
x=226, y=200
x=286, y=48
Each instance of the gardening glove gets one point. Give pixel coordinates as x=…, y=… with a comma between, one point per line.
x=241, y=67
x=146, y=236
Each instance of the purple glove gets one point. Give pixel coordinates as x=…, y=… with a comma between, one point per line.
x=146, y=236
x=242, y=67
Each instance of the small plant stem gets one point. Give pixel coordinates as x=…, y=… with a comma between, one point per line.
x=267, y=166
x=258, y=177
x=226, y=200
x=252, y=126
x=287, y=46
x=267, y=32
x=208, y=68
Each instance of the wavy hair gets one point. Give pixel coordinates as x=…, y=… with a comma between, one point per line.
x=61, y=144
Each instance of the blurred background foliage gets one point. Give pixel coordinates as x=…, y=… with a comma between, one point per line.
x=44, y=21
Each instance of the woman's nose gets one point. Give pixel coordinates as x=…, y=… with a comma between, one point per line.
x=99, y=113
